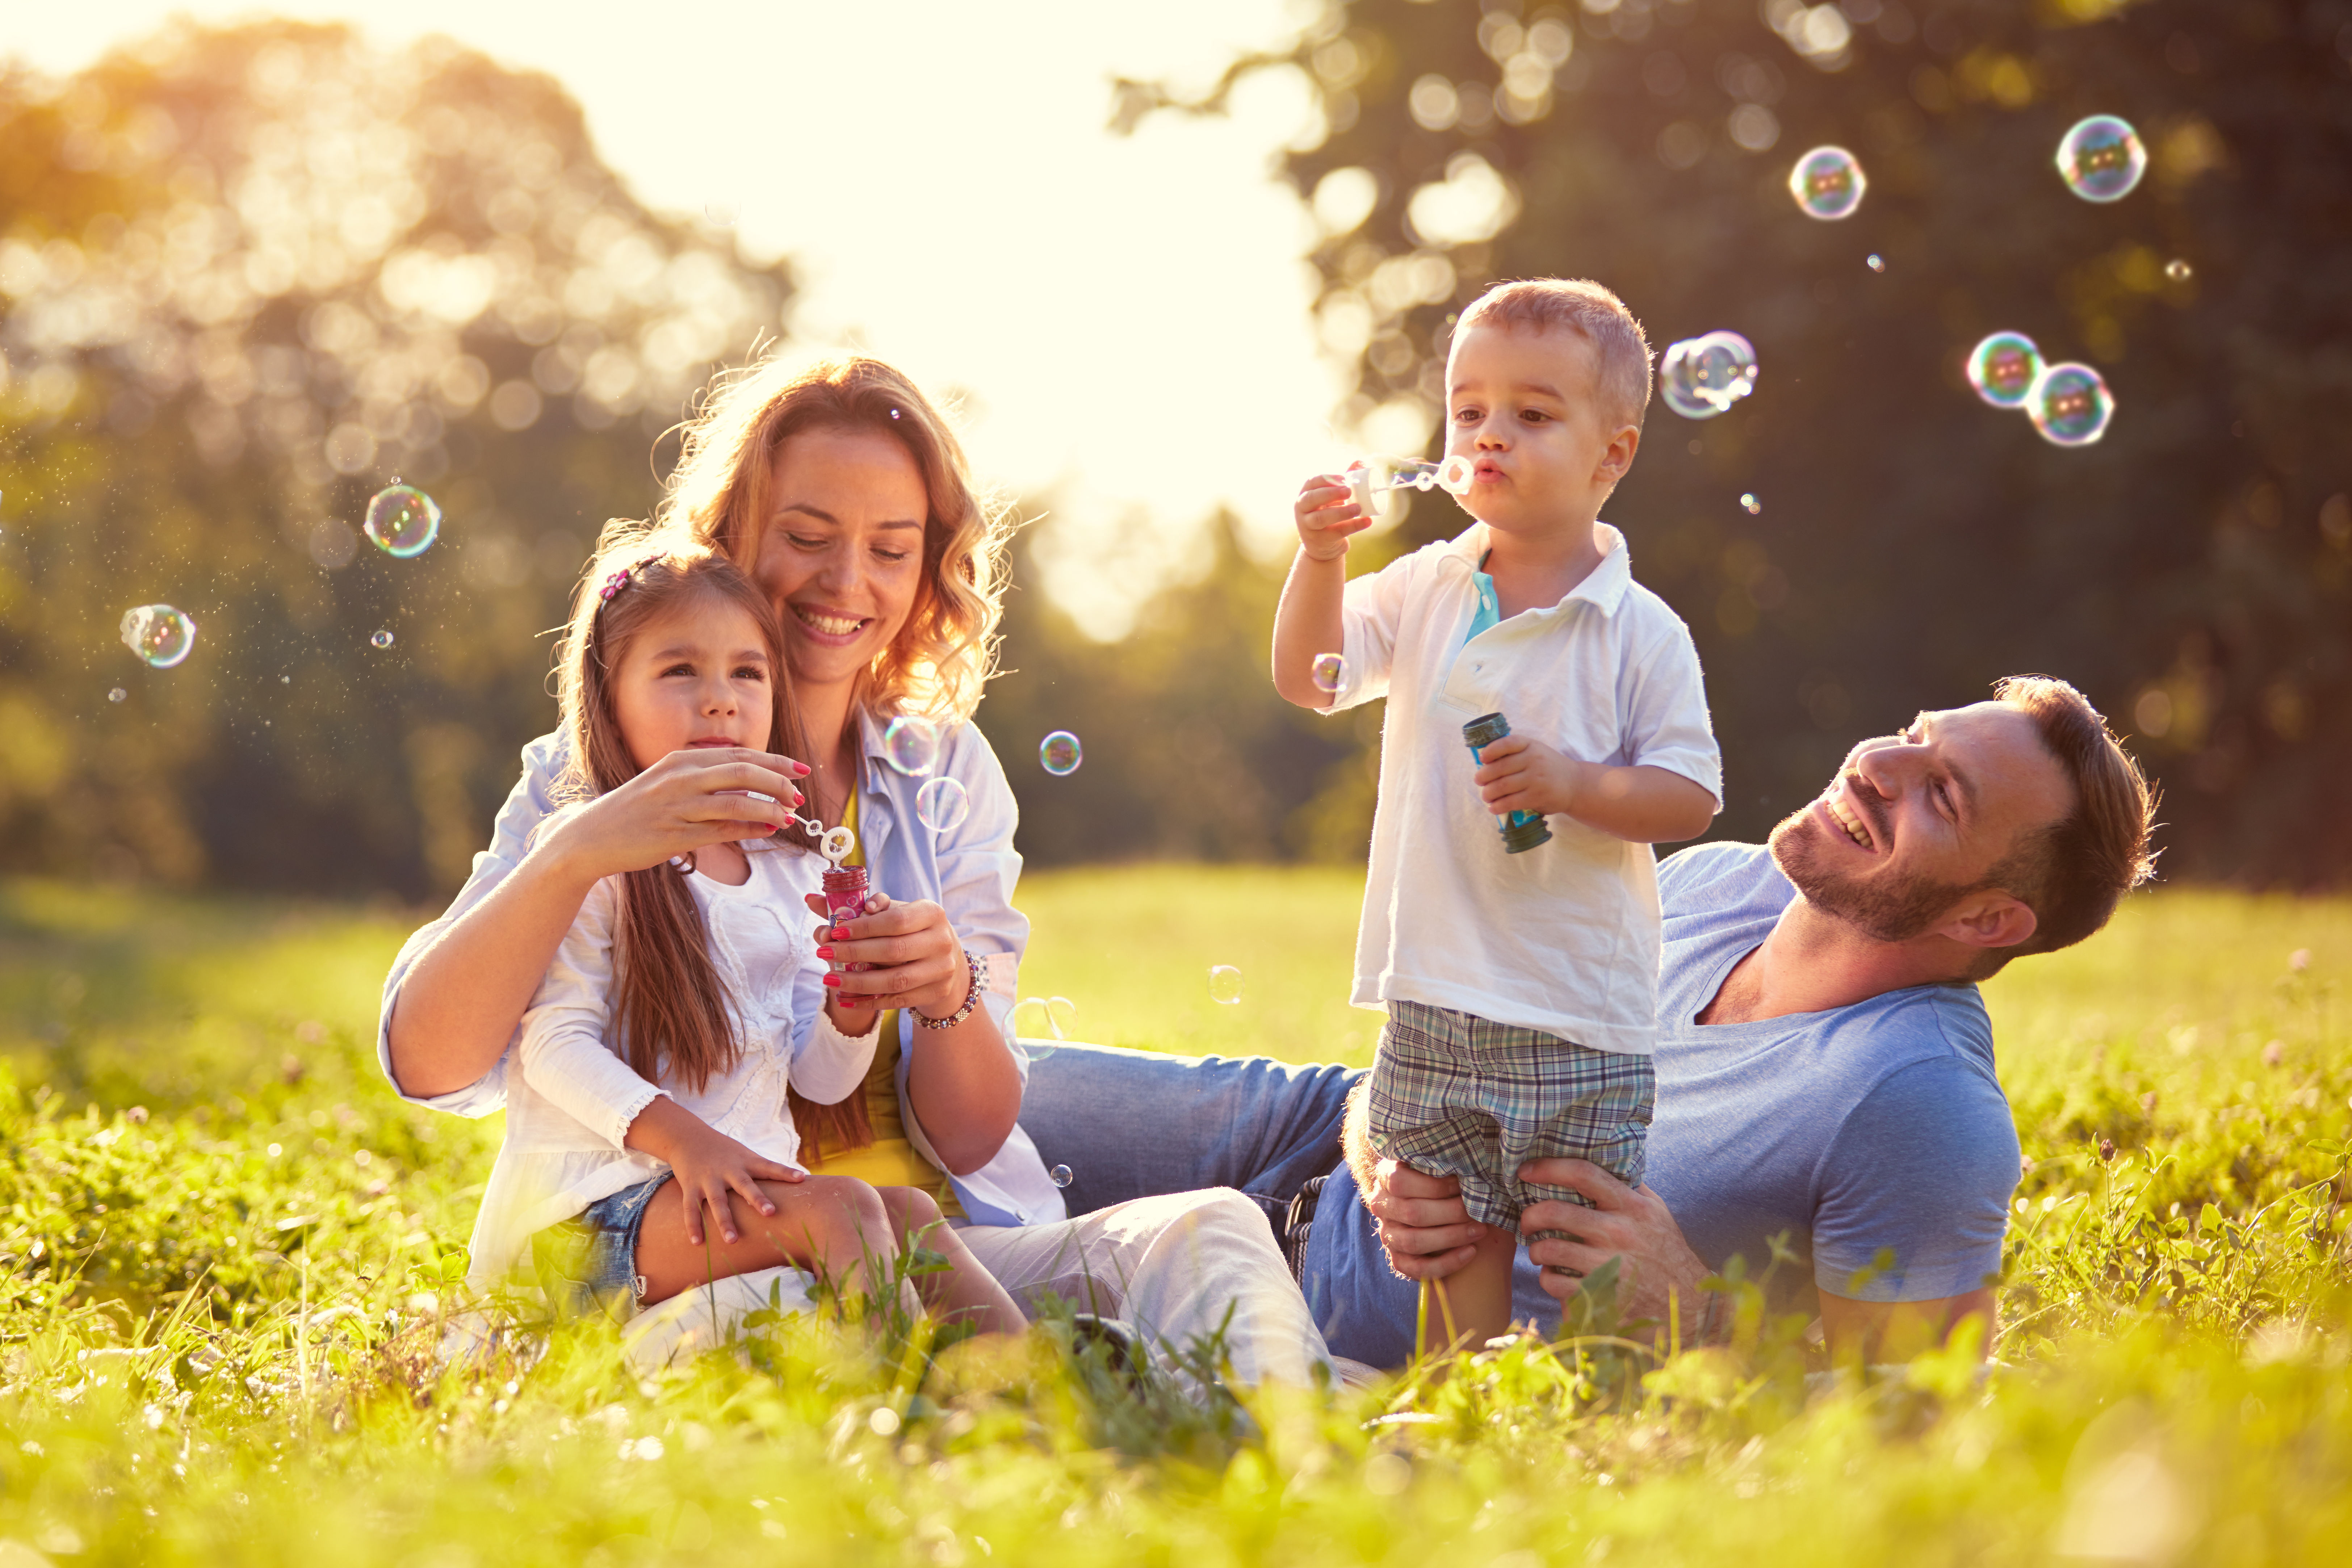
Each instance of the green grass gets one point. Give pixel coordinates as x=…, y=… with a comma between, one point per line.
x=225, y=1248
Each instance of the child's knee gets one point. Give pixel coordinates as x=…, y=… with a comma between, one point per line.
x=910, y=1209
x=848, y=1209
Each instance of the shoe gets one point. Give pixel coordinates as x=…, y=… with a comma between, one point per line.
x=1122, y=1347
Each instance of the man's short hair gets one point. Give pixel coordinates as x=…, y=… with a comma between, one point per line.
x=1584, y=307
x=2074, y=872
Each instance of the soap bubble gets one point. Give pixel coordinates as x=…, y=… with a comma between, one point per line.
x=1047, y=1015
x=719, y=214
x=2003, y=368
x=403, y=521
x=1700, y=377
x=1875, y=262
x=1827, y=183
x=1331, y=671
x=381, y=639
x=117, y=695
x=942, y=805
x=912, y=745
x=1062, y=1175
x=2101, y=159
x=1059, y=753
x=1752, y=504
x=1224, y=985
x=2177, y=270
x=160, y=635
x=2070, y=405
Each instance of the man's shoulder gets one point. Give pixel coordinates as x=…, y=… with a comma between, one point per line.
x=1721, y=877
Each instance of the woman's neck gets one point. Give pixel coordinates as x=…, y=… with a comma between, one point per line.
x=827, y=711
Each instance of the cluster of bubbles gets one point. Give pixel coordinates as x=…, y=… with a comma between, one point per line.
x=1331, y=671
x=2101, y=159
x=1372, y=480
x=1059, y=753
x=942, y=805
x=1701, y=377
x=161, y=635
x=401, y=520
x=2069, y=404
x=1828, y=183
x=1224, y=985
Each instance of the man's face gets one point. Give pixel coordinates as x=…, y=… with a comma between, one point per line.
x=1914, y=822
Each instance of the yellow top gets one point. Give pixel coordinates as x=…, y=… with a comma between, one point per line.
x=891, y=1160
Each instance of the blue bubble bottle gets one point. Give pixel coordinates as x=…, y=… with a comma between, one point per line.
x=1521, y=830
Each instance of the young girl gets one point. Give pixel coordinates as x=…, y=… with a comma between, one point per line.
x=649, y=1110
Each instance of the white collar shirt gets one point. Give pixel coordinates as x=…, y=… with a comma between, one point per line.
x=1564, y=938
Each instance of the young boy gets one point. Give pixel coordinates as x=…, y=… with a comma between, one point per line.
x=1520, y=987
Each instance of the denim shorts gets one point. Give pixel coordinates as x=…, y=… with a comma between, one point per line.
x=588, y=1264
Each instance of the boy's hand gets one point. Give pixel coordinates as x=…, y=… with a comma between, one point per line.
x=1520, y=774
x=1327, y=514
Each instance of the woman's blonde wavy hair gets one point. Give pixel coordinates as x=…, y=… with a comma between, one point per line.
x=719, y=493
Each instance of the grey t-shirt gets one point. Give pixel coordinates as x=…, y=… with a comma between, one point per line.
x=1878, y=1128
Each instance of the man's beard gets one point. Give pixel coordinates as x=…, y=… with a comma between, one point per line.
x=1884, y=909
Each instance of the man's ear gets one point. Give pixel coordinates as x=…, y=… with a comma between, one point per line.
x=1990, y=919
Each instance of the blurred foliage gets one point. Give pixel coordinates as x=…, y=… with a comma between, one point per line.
x=2192, y=571
x=250, y=277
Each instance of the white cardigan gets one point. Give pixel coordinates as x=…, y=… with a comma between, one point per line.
x=570, y=1104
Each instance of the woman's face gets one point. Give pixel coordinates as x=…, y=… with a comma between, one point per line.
x=842, y=553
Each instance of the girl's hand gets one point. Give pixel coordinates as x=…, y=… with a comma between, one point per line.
x=710, y=1168
x=900, y=955
x=685, y=801
x=1326, y=513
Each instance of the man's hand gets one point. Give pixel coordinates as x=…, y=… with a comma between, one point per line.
x=1425, y=1227
x=1629, y=1224
x=1516, y=774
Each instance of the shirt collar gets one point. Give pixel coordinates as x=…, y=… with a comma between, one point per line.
x=1603, y=587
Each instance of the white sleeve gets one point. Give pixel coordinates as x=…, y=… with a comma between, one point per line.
x=1664, y=703
x=827, y=1064
x=527, y=805
x=1372, y=610
x=563, y=1052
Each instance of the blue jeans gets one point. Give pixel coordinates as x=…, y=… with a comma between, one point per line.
x=1140, y=1124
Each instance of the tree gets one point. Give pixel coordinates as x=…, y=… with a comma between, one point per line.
x=2192, y=571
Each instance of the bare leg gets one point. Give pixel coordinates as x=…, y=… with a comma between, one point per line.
x=1479, y=1294
x=827, y=1224
x=968, y=1292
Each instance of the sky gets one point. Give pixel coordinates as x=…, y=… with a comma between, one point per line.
x=1124, y=318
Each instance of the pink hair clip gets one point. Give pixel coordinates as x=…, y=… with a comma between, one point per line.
x=620, y=579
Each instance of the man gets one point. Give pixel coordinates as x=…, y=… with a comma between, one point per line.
x=1825, y=1067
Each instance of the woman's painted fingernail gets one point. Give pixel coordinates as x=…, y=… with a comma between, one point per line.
x=799, y=799
x=824, y=952
x=801, y=770
x=840, y=933
x=833, y=980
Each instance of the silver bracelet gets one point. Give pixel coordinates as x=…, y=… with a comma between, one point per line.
x=971, y=1000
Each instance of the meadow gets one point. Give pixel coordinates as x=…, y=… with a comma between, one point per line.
x=225, y=1251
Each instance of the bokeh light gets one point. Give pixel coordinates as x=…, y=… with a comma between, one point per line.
x=1059, y=753
x=117, y=695
x=2101, y=159
x=161, y=635
x=2003, y=368
x=1828, y=183
x=2071, y=406
x=1750, y=504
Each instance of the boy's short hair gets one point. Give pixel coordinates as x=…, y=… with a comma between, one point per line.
x=1584, y=307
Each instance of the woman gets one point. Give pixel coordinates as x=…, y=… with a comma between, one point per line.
x=845, y=495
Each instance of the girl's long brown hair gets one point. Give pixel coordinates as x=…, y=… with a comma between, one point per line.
x=671, y=1011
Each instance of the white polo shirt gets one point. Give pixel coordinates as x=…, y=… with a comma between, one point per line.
x=1563, y=938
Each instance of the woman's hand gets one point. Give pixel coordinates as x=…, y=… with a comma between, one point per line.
x=900, y=955
x=711, y=1169
x=685, y=801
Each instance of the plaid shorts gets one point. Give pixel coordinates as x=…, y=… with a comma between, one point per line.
x=1456, y=1095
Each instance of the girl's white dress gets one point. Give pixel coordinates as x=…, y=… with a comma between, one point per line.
x=571, y=1105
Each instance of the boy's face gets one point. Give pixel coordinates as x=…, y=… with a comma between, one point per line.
x=1525, y=407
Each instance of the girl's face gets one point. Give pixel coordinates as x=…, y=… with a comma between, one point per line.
x=842, y=553
x=697, y=675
